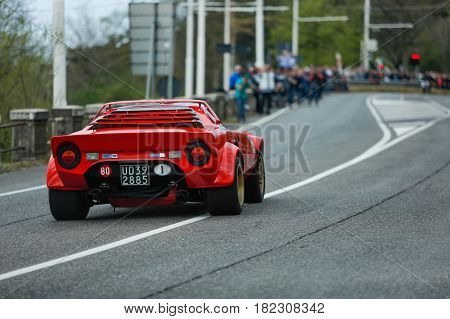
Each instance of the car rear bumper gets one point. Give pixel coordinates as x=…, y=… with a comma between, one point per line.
x=213, y=174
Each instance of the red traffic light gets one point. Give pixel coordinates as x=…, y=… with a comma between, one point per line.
x=415, y=57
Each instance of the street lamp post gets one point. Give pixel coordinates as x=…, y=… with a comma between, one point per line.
x=365, y=49
x=370, y=45
x=59, y=55
x=295, y=8
x=200, y=87
x=259, y=33
x=189, y=67
x=227, y=40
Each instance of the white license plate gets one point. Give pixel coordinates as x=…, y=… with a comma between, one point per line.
x=134, y=175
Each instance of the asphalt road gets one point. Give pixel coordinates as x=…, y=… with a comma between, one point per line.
x=361, y=209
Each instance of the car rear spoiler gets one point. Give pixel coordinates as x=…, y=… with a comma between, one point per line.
x=205, y=106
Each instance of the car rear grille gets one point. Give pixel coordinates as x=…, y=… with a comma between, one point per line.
x=149, y=117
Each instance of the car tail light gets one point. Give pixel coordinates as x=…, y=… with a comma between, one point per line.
x=198, y=153
x=69, y=156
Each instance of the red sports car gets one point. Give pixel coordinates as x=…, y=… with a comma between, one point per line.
x=155, y=152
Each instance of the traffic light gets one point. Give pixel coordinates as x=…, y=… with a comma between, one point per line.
x=414, y=60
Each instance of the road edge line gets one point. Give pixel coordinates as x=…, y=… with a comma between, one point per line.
x=98, y=249
x=23, y=190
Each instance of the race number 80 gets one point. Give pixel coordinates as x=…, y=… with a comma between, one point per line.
x=105, y=171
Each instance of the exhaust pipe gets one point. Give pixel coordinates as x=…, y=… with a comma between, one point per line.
x=95, y=196
x=182, y=196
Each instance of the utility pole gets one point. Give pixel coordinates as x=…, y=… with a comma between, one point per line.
x=259, y=33
x=150, y=82
x=227, y=40
x=201, y=8
x=189, y=62
x=365, y=50
x=339, y=64
x=200, y=89
x=295, y=8
x=59, y=55
x=369, y=45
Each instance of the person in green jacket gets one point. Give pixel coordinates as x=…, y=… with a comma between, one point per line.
x=240, y=94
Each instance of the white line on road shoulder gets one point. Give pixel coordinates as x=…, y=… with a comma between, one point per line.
x=370, y=152
x=382, y=145
x=23, y=190
x=99, y=249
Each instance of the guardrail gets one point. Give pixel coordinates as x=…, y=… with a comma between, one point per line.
x=9, y=149
x=9, y=125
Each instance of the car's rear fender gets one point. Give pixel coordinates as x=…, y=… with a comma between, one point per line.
x=227, y=163
x=258, y=141
x=54, y=181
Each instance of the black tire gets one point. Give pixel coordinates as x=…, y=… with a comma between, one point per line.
x=227, y=200
x=255, y=184
x=67, y=205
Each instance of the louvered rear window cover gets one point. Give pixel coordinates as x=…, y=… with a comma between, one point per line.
x=136, y=115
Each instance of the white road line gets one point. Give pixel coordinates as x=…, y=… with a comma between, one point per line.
x=24, y=190
x=369, y=153
x=394, y=110
x=400, y=130
x=404, y=124
x=99, y=249
x=411, y=133
x=380, y=146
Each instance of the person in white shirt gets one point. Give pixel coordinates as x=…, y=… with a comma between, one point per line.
x=266, y=80
x=286, y=60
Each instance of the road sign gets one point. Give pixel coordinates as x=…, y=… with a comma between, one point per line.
x=152, y=33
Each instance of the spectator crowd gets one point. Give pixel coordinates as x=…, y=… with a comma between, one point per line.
x=288, y=84
x=426, y=80
x=281, y=86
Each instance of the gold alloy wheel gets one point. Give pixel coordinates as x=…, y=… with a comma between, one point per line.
x=240, y=186
x=261, y=176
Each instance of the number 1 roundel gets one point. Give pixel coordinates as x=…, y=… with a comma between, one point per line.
x=105, y=171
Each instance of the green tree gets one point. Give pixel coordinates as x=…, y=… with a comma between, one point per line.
x=102, y=43
x=25, y=72
x=318, y=42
